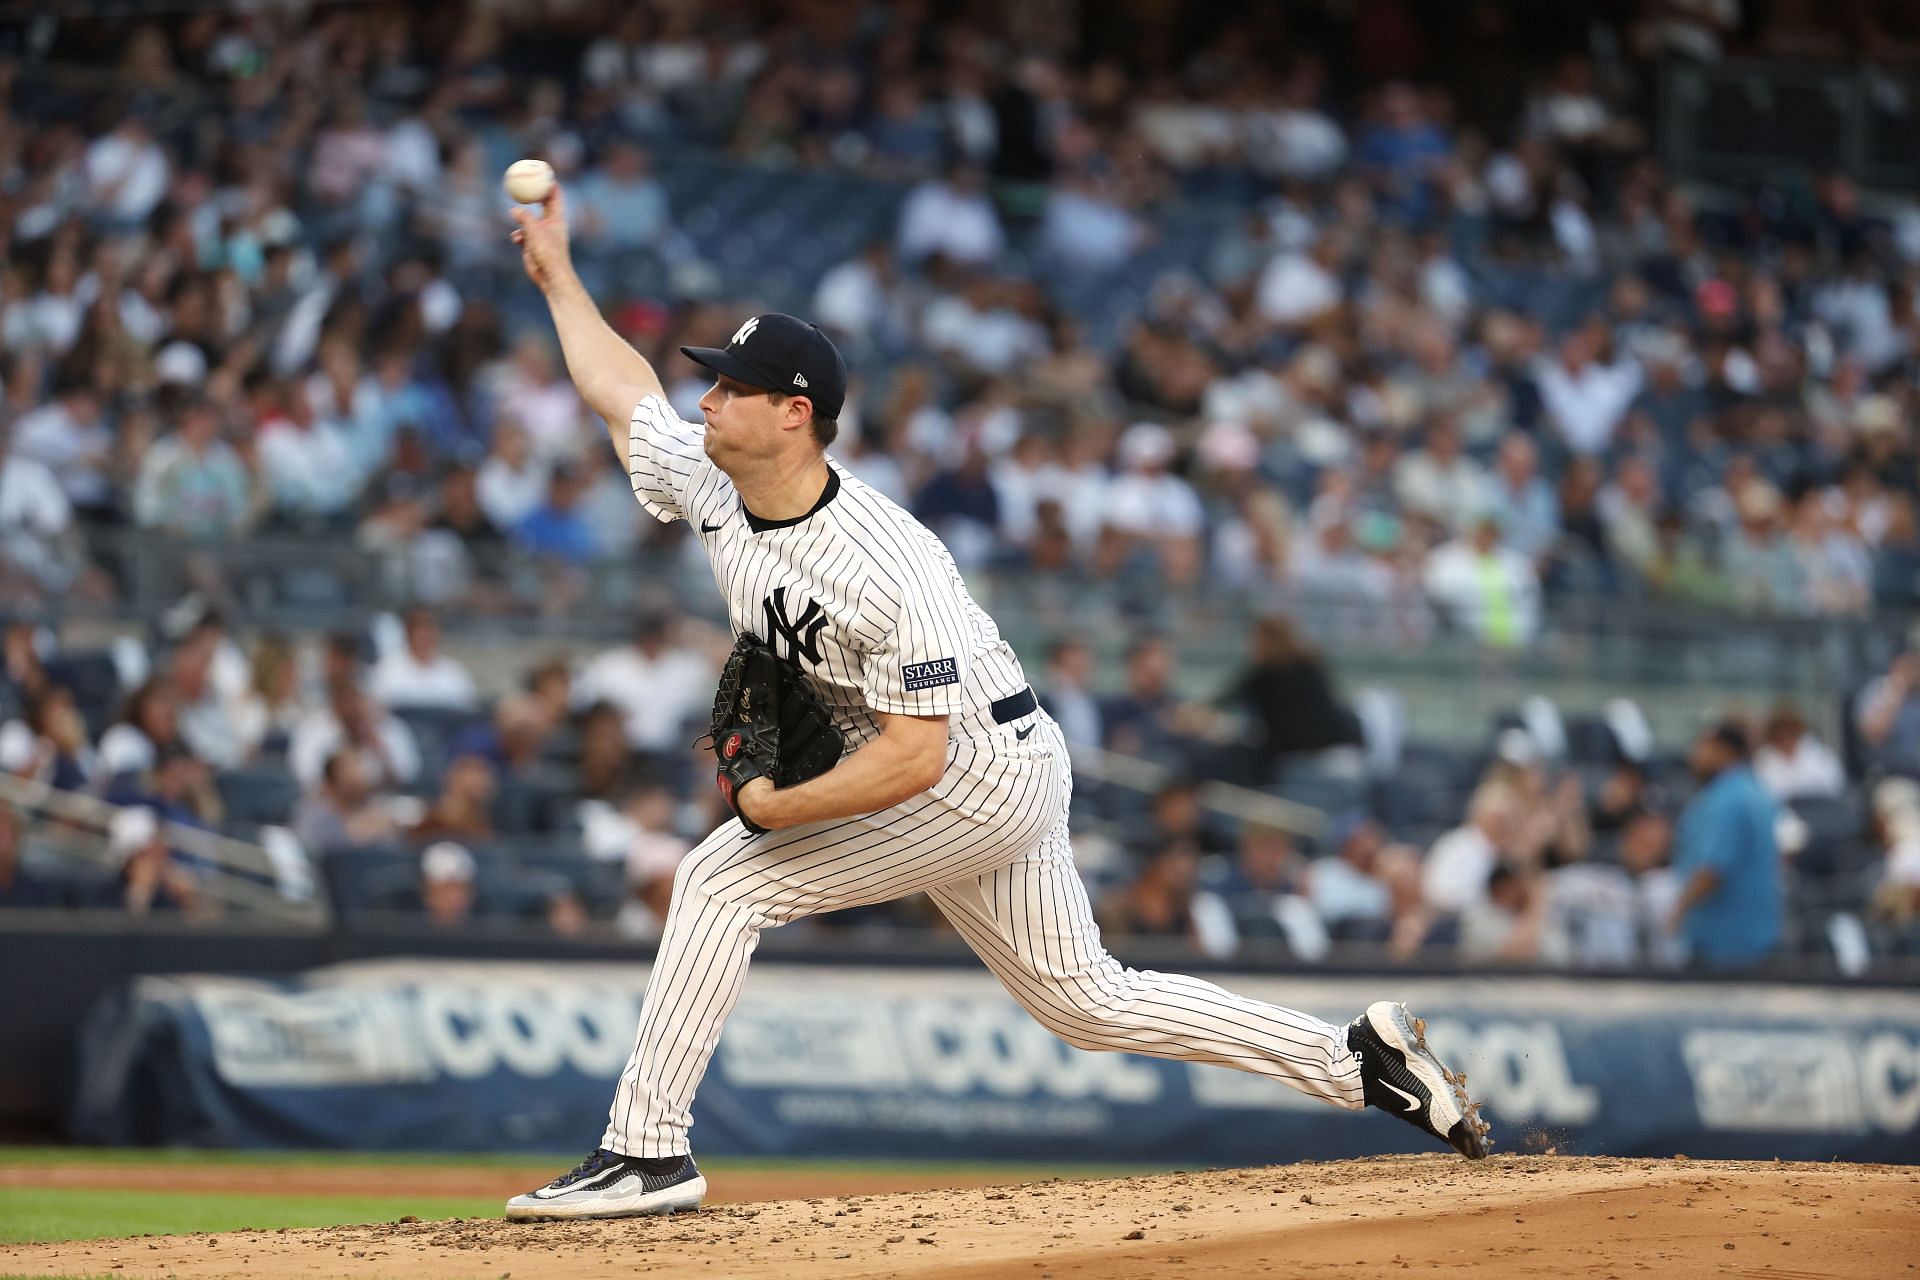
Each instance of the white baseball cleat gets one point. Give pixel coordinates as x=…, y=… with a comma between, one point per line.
x=1399, y=1074
x=609, y=1185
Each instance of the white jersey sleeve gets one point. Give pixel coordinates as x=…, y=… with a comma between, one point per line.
x=920, y=611
x=664, y=456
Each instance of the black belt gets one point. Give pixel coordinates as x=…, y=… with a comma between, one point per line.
x=1015, y=705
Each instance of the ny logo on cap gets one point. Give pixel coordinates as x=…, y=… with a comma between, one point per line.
x=745, y=331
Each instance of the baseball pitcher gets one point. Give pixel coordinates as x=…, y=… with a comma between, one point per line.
x=874, y=736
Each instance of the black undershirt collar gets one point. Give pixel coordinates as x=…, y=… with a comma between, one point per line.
x=827, y=494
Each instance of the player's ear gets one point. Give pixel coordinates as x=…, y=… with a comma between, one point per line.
x=799, y=411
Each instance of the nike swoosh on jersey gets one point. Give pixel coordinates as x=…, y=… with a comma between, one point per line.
x=709, y=528
x=1022, y=733
x=1413, y=1103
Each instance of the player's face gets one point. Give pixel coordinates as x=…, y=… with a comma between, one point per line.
x=742, y=421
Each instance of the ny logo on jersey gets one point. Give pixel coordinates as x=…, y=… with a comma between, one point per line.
x=745, y=331
x=802, y=634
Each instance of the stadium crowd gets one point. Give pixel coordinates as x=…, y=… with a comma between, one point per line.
x=571, y=799
x=1453, y=353
x=1453, y=346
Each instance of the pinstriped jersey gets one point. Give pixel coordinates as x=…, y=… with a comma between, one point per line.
x=858, y=593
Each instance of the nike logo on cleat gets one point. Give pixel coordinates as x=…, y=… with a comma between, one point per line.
x=1021, y=734
x=1413, y=1103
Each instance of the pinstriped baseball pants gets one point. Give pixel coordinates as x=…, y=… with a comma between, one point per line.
x=989, y=845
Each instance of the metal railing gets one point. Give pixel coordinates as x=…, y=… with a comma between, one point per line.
x=1752, y=120
x=247, y=879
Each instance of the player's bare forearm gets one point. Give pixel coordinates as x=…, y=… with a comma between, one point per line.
x=909, y=756
x=608, y=373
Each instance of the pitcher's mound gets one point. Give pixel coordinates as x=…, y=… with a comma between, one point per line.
x=1432, y=1216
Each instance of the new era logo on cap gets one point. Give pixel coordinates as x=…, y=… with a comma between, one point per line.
x=776, y=352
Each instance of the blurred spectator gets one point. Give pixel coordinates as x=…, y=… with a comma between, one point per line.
x=343, y=811
x=536, y=393
x=1146, y=718
x=1511, y=924
x=1153, y=517
x=1726, y=856
x=961, y=506
x=513, y=479
x=659, y=685
x=852, y=301
x=653, y=853
x=37, y=549
x=1646, y=850
x=1438, y=480
x=618, y=207
x=1585, y=399
x=69, y=435
x=565, y=914
x=951, y=216
x=23, y=675
x=191, y=484
x=1162, y=902
x=1896, y=821
x=1460, y=862
x=1489, y=590
x=178, y=788
x=1414, y=922
x=151, y=879
x=463, y=809
x=64, y=758
x=1887, y=716
x=1067, y=693
x=1345, y=887
x=418, y=674
x=126, y=172
x=148, y=722
x=1622, y=797
x=21, y=886
x=352, y=719
x=1287, y=697
x=1402, y=152
x=265, y=716
x=304, y=459
x=1791, y=763
x=205, y=713
x=1301, y=286
x=556, y=530
x=1263, y=893
x=1520, y=500
x=447, y=891
x=1176, y=816
x=609, y=769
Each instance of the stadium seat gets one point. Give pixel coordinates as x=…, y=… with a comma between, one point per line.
x=94, y=681
x=257, y=796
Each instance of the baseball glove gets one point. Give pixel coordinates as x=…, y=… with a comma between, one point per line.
x=768, y=723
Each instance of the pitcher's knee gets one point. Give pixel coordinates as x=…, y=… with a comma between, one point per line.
x=1089, y=1015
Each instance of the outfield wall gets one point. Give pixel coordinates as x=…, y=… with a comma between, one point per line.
x=935, y=1063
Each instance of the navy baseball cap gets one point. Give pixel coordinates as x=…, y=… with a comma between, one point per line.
x=781, y=353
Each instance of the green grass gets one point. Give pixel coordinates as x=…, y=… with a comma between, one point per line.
x=31, y=1215
x=165, y=1157
x=36, y=1216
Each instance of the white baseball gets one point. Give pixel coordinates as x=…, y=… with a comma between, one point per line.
x=528, y=181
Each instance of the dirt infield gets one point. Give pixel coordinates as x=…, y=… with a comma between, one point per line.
x=1435, y=1216
x=453, y=1180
